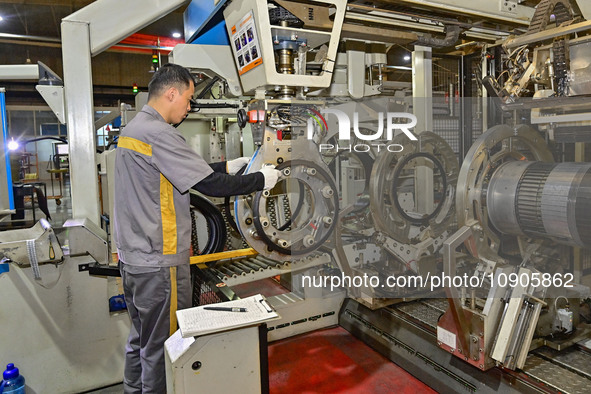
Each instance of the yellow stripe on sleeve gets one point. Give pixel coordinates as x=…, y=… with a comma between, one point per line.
x=135, y=145
x=167, y=211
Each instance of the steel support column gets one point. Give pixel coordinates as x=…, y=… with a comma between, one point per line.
x=422, y=88
x=79, y=107
x=356, y=73
x=422, y=93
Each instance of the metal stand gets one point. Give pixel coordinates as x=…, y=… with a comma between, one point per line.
x=61, y=172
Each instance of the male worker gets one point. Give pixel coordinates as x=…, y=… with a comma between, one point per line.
x=154, y=171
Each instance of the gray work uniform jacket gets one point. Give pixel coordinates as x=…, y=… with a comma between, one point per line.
x=154, y=170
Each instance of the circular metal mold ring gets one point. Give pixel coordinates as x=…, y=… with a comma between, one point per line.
x=389, y=217
x=268, y=235
x=496, y=146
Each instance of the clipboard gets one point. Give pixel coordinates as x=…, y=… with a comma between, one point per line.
x=267, y=306
x=199, y=321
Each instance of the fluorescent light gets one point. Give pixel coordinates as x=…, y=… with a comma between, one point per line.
x=176, y=34
x=1, y=19
x=12, y=145
x=406, y=57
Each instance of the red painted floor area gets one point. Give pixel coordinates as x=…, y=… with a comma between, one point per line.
x=329, y=360
x=333, y=361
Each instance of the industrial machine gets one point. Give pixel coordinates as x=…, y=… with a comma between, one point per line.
x=517, y=191
x=516, y=207
x=518, y=235
x=517, y=222
x=546, y=70
x=411, y=195
x=543, y=57
x=286, y=226
x=299, y=226
x=294, y=133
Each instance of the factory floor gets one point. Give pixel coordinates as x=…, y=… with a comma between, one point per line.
x=333, y=361
x=329, y=361
x=325, y=361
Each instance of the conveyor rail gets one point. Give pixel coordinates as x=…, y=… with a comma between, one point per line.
x=249, y=269
x=567, y=371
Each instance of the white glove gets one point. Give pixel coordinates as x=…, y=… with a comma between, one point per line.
x=271, y=176
x=233, y=166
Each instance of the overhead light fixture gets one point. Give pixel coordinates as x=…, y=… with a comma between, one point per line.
x=1, y=19
x=406, y=57
x=12, y=145
x=176, y=34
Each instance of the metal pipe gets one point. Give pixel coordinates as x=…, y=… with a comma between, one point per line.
x=236, y=269
x=251, y=265
x=466, y=44
x=276, y=263
x=527, y=39
x=228, y=272
x=219, y=274
x=269, y=261
x=28, y=37
x=22, y=39
x=518, y=334
x=476, y=33
x=469, y=10
x=243, y=267
x=259, y=264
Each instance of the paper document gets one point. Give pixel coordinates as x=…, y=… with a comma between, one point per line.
x=199, y=321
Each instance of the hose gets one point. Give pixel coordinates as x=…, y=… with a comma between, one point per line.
x=215, y=224
x=208, y=87
x=452, y=34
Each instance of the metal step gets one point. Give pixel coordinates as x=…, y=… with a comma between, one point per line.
x=440, y=304
x=425, y=311
x=555, y=376
x=573, y=359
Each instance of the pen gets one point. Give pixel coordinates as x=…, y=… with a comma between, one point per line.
x=224, y=308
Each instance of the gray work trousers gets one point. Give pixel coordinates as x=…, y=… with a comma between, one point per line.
x=153, y=296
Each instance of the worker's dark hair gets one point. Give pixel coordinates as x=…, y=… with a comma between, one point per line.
x=168, y=76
